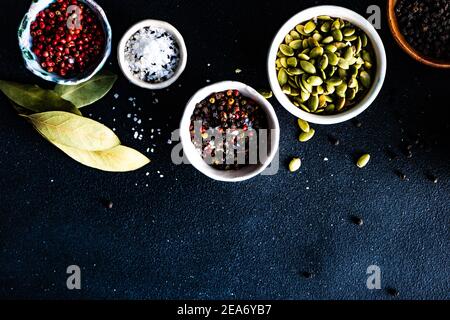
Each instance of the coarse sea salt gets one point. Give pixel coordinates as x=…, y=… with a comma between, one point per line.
x=152, y=54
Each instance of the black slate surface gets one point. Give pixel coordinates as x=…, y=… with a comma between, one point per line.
x=185, y=236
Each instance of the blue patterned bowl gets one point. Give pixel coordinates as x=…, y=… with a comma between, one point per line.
x=31, y=60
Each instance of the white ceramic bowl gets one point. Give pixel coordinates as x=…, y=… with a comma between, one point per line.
x=193, y=155
x=158, y=24
x=357, y=20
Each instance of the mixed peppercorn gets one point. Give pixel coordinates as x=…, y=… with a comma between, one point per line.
x=67, y=41
x=227, y=122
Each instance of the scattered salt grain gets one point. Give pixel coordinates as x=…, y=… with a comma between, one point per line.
x=136, y=134
x=116, y=96
x=238, y=71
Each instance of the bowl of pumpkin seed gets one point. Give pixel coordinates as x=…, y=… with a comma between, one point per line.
x=327, y=64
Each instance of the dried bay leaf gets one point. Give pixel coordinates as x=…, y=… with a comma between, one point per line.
x=36, y=99
x=87, y=93
x=74, y=131
x=117, y=159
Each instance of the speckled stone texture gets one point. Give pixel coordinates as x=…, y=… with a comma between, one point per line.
x=186, y=237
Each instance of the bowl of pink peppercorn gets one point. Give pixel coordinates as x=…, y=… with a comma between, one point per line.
x=65, y=41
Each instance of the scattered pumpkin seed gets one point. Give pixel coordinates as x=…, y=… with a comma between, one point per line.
x=304, y=126
x=295, y=164
x=306, y=136
x=363, y=161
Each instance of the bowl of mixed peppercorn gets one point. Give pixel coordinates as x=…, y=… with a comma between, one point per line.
x=229, y=132
x=422, y=29
x=326, y=65
x=65, y=41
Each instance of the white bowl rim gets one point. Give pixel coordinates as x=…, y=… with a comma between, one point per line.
x=71, y=82
x=194, y=157
x=357, y=20
x=159, y=24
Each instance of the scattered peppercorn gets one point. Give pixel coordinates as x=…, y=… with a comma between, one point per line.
x=307, y=275
x=426, y=26
x=357, y=220
x=400, y=174
x=357, y=123
x=392, y=292
x=62, y=50
x=432, y=177
x=333, y=140
x=108, y=204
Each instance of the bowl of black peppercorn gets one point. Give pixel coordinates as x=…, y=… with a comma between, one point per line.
x=422, y=29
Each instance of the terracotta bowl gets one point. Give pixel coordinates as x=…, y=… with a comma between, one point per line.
x=398, y=36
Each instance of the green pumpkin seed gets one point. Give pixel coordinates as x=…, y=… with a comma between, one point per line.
x=292, y=83
x=337, y=35
x=308, y=67
x=332, y=71
x=322, y=74
x=330, y=108
x=301, y=29
x=315, y=81
x=317, y=36
x=336, y=25
x=340, y=103
x=326, y=18
x=351, y=38
x=282, y=77
x=313, y=103
x=333, y=59
x=323, y=62
x=306, y=136
x=304, y=126
x=288, y=39
x=331, y=48
x=347, y=32
x=358, y=45
x=341, y=89
x=291, y=62
x=364, y=40
x=303, y=56
x=286, y=50
x=325, y=28
x=305, y=44
x=352, y=83
x=295, y=165
x=286, y=89
x=329, y=89
x=294, y=92
x=351, y=94
x=313, y=42
x=365, y=79
x=316, y=52
x=343, y=64
x=305, y=95
x=328, y=40
x=334, y=82
x=294, y=71
x=267, y=94
x=340, y=45
x=296, y=44
x=295, y=35
x=304, y=108
x=363, y=161
x=348, y=53
x=310, y=27
x=320, y=90
x=366, y=56
x=305, y=83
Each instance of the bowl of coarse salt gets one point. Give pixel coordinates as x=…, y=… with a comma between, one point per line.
x=152, y=54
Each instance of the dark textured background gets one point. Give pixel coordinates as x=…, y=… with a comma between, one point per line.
x=185, y=236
